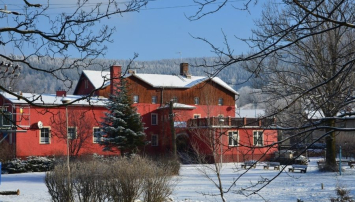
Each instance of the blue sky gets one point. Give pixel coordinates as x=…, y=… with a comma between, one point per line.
x=162, y=31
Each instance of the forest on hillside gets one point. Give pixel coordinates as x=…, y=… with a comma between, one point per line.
x=33, y=81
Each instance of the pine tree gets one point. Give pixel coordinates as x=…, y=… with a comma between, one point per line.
x=122, y=125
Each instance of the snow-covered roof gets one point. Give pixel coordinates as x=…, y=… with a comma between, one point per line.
x=52, y=99
x=102, y=78
x=178, y=81
x=314, y=114
x=98, y=78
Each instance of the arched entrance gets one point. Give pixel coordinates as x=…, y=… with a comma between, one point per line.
x=184, y=149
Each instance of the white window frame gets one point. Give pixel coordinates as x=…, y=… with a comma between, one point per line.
x=154, y=121
x=220, y=101
x=45, y=140
x=154, y=99
x=196, y=100
x=94, y=139
x=154, y=139
x=175, y=99
x=135, y=98
x=196, y=116
x=75, y=135
x=256, y=136
x=233, y=138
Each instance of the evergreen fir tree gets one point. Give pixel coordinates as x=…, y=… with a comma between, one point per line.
x=122, y=125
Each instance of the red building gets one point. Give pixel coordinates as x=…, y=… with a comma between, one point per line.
x=202, y=107
x=40, y=129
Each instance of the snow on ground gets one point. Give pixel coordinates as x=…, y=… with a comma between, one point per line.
x=192, y=185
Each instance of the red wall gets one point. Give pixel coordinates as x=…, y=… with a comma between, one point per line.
x=244, y=152
x=28, y=143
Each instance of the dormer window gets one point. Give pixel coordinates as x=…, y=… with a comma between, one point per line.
x=135, y=99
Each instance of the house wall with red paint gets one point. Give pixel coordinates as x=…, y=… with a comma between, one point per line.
x=28, y=141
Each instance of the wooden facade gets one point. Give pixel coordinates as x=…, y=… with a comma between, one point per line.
x=151, y=101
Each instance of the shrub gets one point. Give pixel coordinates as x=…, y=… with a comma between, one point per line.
x=157, y=183
x=120, y=180
x=57, y=184
x=31, y=164
x=169, y=163
x=90, y=180
x=126, y=179
x=342, y=195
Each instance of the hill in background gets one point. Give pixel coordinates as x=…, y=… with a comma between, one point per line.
x=39, y=82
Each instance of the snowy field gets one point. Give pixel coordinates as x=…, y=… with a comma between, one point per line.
x=192, y=185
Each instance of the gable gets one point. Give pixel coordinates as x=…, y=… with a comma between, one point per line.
x=91, y=80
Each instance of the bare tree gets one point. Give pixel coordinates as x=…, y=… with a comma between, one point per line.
x=316, y=71
x=80, y=129
x=32, y=31
x=306, y=50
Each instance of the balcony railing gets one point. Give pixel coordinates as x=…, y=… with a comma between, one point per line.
x=230, y=122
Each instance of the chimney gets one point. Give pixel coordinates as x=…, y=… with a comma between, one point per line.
x=61, y=93
x=131, y=71
x=115, y=75
x=184, y=69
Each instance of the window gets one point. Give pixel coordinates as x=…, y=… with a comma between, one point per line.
x=6, y=118
x=45, y=136
x=154, y=99
x=220, y=101
x=86, y=83
x=258, y=138
x=135, y=99
x=97, y=135
x=175, y=99
x=154, y=119
x=72, y=133
x=154, y=140
x=233, y=138
x=196, y=116
x=197, y=100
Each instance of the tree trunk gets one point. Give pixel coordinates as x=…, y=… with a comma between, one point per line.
x=173, y=135
x=330, y=146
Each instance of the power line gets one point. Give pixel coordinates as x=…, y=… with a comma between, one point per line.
x=66, y=5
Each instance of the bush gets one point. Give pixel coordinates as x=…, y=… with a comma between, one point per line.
x=342, y=195
x=157, y=185
x=121, y=180
x=31, y=164
x=169, y=163
x=57, y=184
